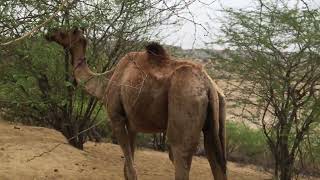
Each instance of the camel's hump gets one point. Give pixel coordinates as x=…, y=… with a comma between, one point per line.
x=156, y=50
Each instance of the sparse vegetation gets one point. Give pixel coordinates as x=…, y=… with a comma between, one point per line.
x=275, y=48
x=273, y=52
x=248, y=145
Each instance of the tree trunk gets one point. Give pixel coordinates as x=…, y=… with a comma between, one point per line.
x=94, y=135
x=285, y=162
x=77, y=142
x=286, y=171
x=276, y=166
x=163, y=141
x=155, y=142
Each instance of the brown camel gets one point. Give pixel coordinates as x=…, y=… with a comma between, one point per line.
x=150, y=92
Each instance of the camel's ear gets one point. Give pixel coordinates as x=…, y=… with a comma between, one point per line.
x=76, y=30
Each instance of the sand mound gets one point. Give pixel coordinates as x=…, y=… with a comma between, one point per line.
x=40, y=153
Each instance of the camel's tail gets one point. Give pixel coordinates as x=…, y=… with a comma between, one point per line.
x=214, y=132
x=156, y=51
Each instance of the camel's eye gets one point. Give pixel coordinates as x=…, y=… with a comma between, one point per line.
x=63, y=35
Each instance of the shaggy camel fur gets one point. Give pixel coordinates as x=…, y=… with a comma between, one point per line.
x=150, y=92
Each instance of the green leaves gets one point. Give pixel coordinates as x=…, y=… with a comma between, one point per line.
x=68, y=84
x=246, y=144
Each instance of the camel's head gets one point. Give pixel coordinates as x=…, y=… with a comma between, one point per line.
x=66, y=38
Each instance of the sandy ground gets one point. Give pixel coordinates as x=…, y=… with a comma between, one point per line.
x=41, y=153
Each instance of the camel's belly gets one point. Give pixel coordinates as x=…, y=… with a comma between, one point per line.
x=146, y=108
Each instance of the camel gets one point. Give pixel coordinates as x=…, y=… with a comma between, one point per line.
x=150, y=92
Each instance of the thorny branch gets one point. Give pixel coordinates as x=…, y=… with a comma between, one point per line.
x=37, y=28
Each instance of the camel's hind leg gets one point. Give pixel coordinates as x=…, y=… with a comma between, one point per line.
x=213, y=132
x=211, y=152
x=212, y=157
x=187, y=112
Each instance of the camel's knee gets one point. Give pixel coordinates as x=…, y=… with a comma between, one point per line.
x=182, y=158
x=181, y=150
x=182, y=166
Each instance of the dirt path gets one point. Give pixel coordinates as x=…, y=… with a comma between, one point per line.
x=20, y=147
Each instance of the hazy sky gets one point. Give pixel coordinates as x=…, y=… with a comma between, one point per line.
x=190, y=36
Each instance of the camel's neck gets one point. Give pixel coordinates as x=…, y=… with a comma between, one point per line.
x=78, y=53
x=94, y=83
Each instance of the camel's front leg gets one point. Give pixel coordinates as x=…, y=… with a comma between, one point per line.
x=122, y=135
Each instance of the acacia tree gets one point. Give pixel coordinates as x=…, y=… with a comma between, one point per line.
x=275, y=49
x=36, y=83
